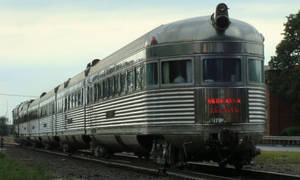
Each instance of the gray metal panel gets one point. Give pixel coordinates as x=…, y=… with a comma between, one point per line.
x=75, y=119
x=201, y=29
x=173, y=106
x=204, y=47
x=60, y=123
x=46, y=125
x=188, y=30
x=70, y=121
x=257, y=104
x=33, y=126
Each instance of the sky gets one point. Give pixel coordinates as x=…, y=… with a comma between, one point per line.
x=45, y=42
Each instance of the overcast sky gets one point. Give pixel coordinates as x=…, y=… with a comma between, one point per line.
x=44, y=42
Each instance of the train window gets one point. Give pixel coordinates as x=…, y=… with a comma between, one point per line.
x=111, y=86
x=222, y=70
x=139, y=71
x=122, y=82
x=88, y=96
x=78, y=98
x=151, y=74
x=116, y=82
x=72, y=101
x=179, y=71
x=104, y=89
x=255, y=70
x=130, y=82
x=81, y=94
x=66, y=104
x=48, y=109
x=99, y=90
x=91, y=94
x=69, y=100
x=95, y=92
x=75, y=99
x=52, y=108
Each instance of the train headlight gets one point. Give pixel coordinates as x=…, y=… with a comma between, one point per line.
x=220, y=18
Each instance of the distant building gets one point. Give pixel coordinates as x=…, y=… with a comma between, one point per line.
x=3, y=120
x=278, y=111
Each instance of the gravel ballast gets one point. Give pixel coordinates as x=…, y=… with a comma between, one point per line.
x=67, y=167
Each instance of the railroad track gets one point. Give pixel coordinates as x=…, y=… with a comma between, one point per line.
x=192, y=171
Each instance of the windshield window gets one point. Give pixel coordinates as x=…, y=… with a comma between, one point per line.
x=179, y=71
x=222, y=70
x=151, y=74
x=255, y=69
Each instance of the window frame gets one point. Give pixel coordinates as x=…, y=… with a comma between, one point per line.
x=146, y=86
x=142, y=87
x=177, y=84
x=132, y=88
x=248, y=72
x=239, y=83
x=124, y=90
x=116, y=78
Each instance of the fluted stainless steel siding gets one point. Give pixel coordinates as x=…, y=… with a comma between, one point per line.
x=23, y=129
x=257, y=104
x=152, y=107
x=60, y=124
x=46, y=124
x=34, y=127
x=76, y=118
x=70, y=120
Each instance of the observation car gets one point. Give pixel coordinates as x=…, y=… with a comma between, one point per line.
x=188, y=90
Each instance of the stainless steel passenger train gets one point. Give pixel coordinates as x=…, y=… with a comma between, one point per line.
x=189, y=90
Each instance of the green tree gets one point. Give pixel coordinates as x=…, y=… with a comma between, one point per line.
x=286, y=81
x=3, y=126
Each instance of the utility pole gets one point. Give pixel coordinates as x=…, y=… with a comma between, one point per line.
x=6, y=113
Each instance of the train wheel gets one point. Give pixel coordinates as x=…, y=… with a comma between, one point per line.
x=222, y=164
x=238, y=166
x=47, y=146
x=66, y=148
x=101, y=151
x=96, y=152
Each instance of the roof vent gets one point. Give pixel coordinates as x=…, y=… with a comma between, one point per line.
x=95, y=61
x=220, y=18
x=43, y=94
x=56, y=89
x=67, y=83
x=86, y=71
x=88, y=65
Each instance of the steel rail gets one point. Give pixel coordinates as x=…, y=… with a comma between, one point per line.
x=192, y=171
x=153, y=169
x=241, y=174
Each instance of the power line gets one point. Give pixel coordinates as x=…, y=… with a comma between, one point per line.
x=17, y=95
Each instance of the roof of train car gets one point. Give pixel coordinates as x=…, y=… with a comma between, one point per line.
x=23, y=106
x=34, y=102
x=202, y=29
x=76, y=79
x=47, y=95
x=193, y=29
x=120, y=54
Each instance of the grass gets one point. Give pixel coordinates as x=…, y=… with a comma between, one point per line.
x=14, y=170
x=270, y=157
